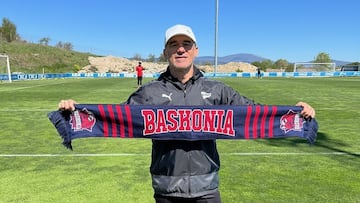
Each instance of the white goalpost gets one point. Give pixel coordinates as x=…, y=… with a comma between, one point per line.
x=6, y=57
x=314, y=67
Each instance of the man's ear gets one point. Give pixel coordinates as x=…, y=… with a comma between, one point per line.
x=164, y=53
x=196, y=51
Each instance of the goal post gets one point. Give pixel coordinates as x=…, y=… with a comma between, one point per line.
x=6, y=57
x=314, y=67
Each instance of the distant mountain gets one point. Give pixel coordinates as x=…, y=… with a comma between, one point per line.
x=340, y=63
x=246, y=58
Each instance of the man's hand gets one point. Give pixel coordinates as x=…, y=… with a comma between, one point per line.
x=308, y=111
x=67, y=105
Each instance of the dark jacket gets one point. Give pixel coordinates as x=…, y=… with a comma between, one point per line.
x=185, y=168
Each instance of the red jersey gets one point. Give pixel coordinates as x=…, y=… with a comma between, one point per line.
x=139, y=70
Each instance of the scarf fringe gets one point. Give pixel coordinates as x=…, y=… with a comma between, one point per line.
x=60, y=120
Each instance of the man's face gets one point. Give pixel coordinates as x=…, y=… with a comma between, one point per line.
x=180, y=52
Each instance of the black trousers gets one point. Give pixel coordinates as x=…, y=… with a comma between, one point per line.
x=210, y=198
x=139, y=80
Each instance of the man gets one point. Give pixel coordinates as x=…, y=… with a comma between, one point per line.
x=185, y=171
x=139, y=73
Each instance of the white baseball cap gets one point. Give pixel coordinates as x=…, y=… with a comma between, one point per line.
x=179, y=30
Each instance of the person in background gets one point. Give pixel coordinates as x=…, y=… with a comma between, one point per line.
x=139, y=74
x=258, y=72
x=185, y=171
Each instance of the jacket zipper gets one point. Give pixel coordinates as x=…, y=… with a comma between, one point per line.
x=184, y=89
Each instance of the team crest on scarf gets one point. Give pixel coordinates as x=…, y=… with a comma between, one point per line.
x=82, y=120
x=291, y=121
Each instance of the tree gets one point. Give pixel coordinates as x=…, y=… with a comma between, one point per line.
x=8, y=31
x=289, y=68
x=64, y=45
x=68, y=46
x=268, y=64
x=162, y=58
x=44, y=41
x=281, y=64
x=263, y=65
x=59, y=45
x=323, y=57
x=137, y=57
x=151, y=58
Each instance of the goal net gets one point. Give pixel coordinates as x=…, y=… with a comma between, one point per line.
x=5, y=74
x=314, y=67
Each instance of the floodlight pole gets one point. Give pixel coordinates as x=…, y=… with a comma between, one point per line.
x=216, y=36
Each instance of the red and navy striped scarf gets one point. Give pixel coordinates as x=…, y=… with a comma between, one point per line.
x=182, y=122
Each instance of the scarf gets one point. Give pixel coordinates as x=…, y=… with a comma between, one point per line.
x=182, y=122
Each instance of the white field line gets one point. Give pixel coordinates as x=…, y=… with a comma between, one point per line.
x=147, y=154
x=289, y=153
x=74, y=155
x=28, y=110
x=31, y=86
x=21, y=88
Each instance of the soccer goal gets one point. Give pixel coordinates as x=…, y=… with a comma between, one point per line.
x=5, y=66
x=314, y=67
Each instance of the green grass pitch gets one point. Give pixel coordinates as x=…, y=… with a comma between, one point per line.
x=35, y=167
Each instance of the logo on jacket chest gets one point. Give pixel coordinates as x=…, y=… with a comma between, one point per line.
x=168, y=96
x=205, y=95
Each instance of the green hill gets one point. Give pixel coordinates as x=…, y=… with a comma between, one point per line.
x=33, y=58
